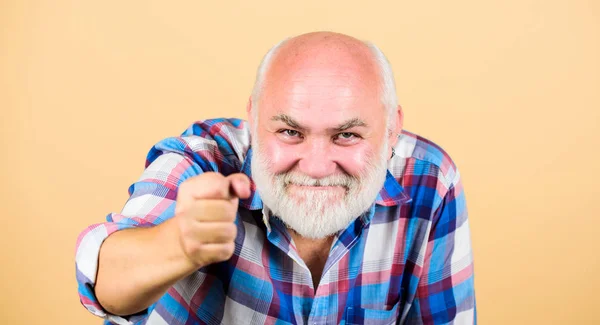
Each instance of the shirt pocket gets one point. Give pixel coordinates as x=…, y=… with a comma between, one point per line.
x=387, y=315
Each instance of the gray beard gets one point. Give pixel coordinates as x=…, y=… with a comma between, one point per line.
x=317, y=214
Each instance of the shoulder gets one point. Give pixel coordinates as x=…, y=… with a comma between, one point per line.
x=217, y=144
x=417, y=157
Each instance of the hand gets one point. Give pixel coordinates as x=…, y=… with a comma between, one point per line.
x=205, y=212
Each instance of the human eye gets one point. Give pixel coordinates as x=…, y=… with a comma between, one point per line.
x=347, y=138
x=346, y=135
x=290, y=133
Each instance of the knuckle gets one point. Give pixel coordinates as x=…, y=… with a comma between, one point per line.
x=209, y=184
x=193, y=248
x=226, y=251
x=186, y=214
x=185, y=186
x=213, y=178
x=227, y=233
x=182, y=210
x=231, y=231
x=185, y=231
x=210, y=175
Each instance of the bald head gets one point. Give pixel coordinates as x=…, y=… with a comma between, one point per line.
x=329, y=59
x=323, y=54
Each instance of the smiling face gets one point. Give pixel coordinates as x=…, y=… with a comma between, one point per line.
x=320, y=137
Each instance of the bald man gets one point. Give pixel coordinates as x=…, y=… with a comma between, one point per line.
x=319, y=209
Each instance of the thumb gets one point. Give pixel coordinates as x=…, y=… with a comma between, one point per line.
x=239, y=185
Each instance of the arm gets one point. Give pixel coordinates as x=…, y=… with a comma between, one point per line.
x=143, y=253
x=135, y=241
x=137, y=266
x=445, y=293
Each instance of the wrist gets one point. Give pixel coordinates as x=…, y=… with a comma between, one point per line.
x=170, y=235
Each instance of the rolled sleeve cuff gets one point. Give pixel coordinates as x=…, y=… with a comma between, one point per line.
x=86, y=260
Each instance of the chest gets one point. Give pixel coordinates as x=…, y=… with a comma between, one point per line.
x=364, y=277
x=363, y=281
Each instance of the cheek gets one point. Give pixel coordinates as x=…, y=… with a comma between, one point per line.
x=282, y=156
x=356, y=160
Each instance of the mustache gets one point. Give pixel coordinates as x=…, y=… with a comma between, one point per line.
x=296, y=178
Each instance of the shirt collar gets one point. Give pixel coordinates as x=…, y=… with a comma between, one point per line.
x=391, y=194
x=253, y=202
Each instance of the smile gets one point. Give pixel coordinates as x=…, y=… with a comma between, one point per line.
x=316, y=188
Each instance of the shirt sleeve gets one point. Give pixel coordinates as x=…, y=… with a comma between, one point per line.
x=205, y=146
x=446, y=293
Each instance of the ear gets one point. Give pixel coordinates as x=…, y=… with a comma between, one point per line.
x=395, y=132
x=249, y=113
x=399, y=120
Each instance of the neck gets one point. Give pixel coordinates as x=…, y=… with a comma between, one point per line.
x=313, y=242
x=314, y=253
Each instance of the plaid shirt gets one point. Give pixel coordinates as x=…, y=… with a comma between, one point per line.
x=406, y=260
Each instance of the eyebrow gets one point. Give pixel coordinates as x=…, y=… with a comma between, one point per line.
x=354, y=122
x=287, y=120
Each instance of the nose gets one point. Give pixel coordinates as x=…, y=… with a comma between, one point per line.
x=316, y=160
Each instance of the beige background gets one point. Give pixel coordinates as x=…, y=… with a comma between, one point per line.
x=511, y=89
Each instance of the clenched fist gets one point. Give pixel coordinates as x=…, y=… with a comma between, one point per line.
x=205, y=212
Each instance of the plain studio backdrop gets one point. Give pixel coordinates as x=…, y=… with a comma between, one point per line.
x=511, y=89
